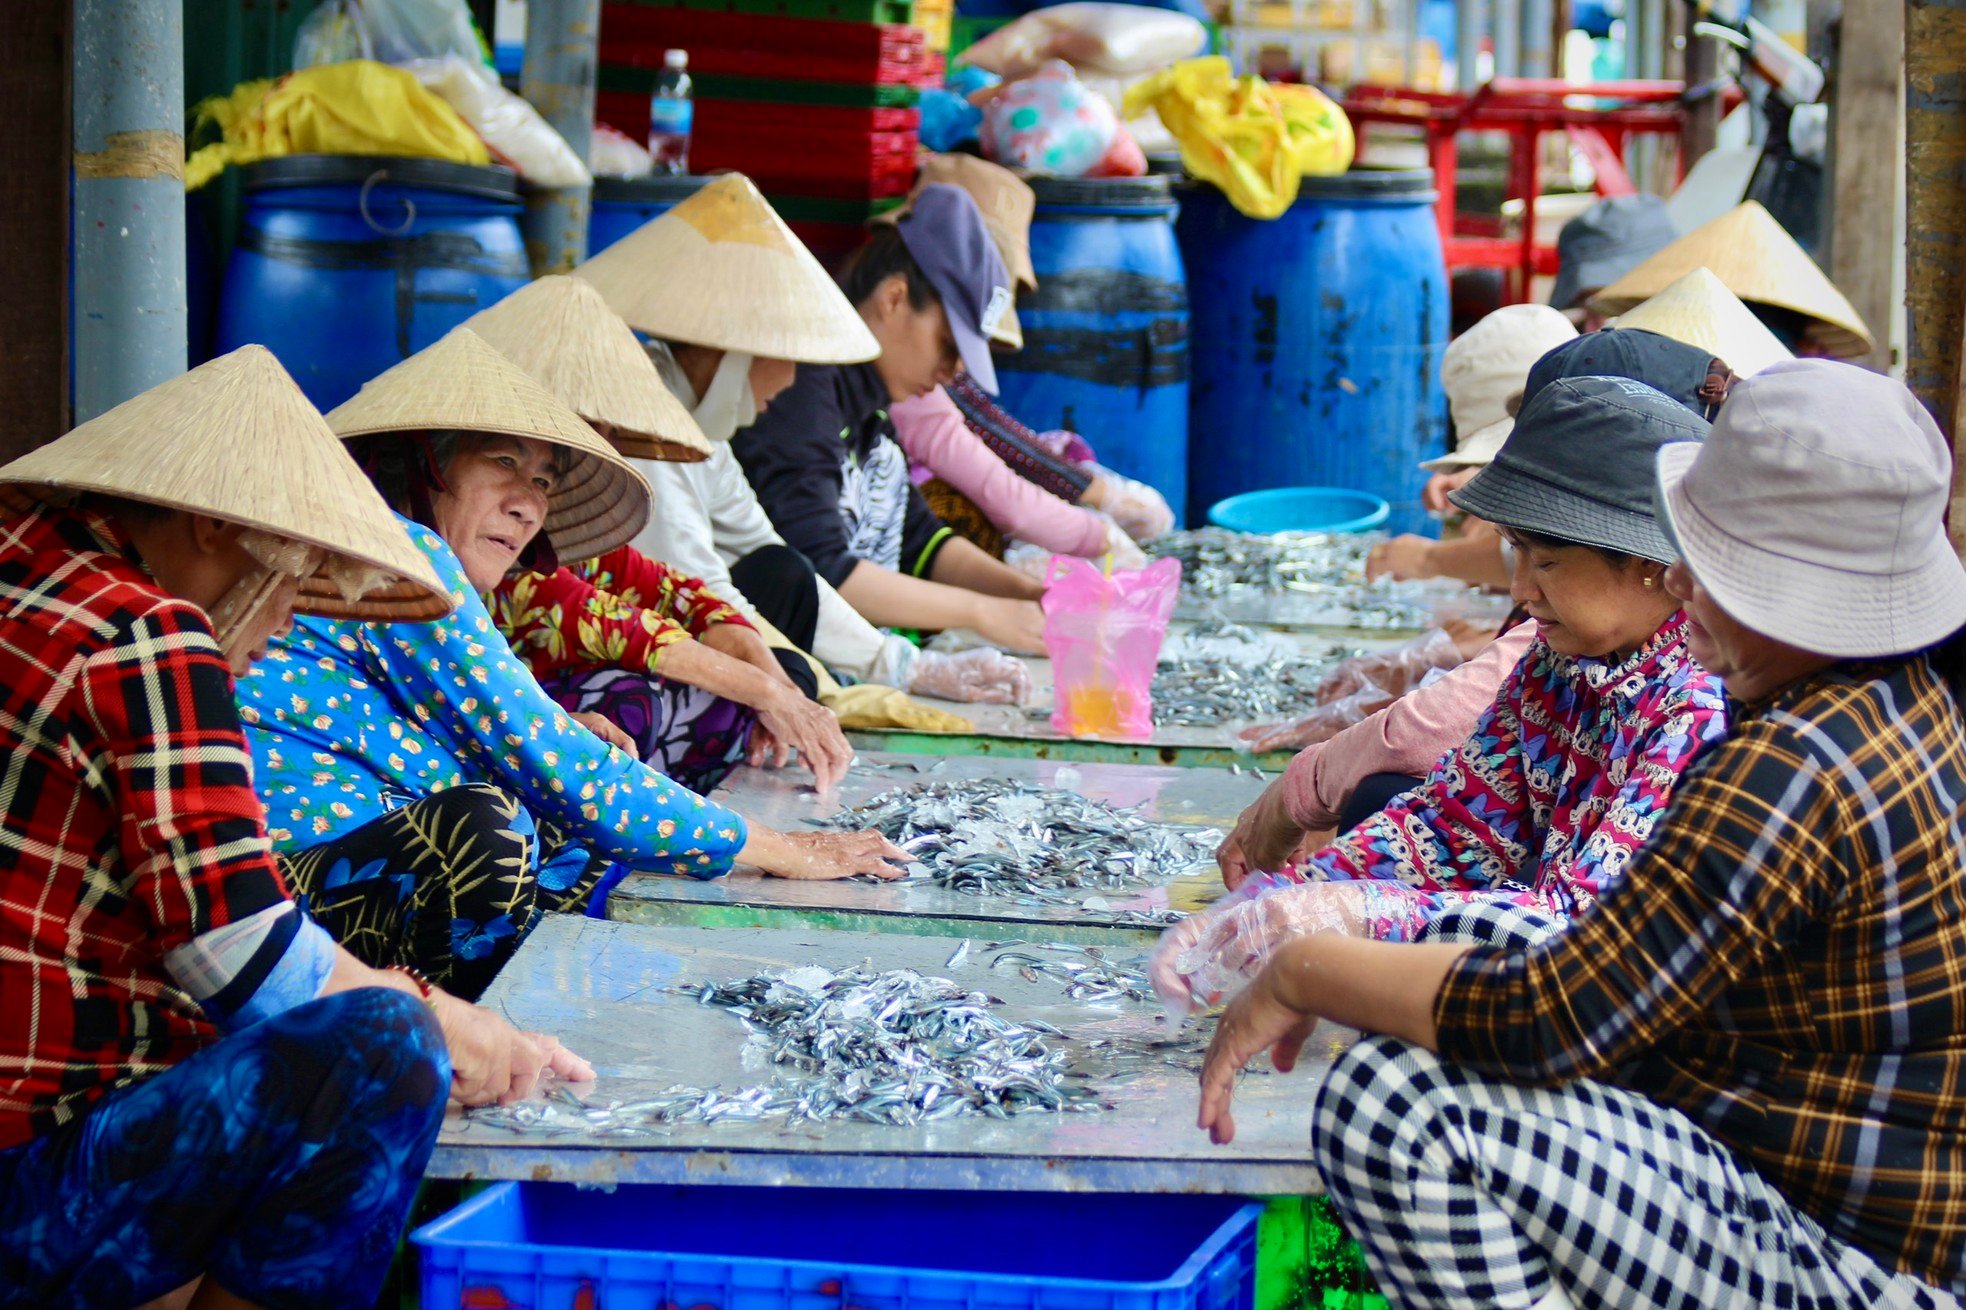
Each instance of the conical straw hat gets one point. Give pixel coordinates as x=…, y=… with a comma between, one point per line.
x=1756, y=259
x=1699, y=310
x=721, y=269
x=461, y=384
x=236, y=439
x=560, y=330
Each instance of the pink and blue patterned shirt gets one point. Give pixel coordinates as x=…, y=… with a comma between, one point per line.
x=1547, y=801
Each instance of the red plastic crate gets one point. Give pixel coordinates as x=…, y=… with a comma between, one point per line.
x=738, y=45
x=628, y=113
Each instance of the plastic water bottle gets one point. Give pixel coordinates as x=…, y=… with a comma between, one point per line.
x=671, y=113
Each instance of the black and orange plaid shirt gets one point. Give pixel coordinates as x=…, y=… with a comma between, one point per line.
x=128, y=821
x=1784, y=963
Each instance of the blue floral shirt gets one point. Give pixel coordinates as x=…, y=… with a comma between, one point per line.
x=348, y=721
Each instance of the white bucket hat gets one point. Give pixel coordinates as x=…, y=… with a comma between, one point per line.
x=1815, y=512
x=1483, y=372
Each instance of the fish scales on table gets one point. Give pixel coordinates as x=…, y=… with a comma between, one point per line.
x=892, y=1047
x=1219, y=565
x=994, y=837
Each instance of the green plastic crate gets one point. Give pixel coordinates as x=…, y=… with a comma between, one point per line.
x=843, y=11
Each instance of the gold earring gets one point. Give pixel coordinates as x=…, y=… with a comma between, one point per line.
x=1651, y=582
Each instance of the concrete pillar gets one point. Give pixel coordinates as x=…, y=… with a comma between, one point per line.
x=562, y=37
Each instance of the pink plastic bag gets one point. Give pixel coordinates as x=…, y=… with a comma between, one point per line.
x=1103, y=633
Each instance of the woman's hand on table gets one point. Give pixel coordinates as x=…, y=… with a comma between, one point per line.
x=1015, y=625
x=493, y=1062
x=823, y=856
x=787, y=722
x=1264, y=839
x=1259, y=1019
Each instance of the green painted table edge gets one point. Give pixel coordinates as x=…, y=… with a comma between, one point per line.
x=1099, y=752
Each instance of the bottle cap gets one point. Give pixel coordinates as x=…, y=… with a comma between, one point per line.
x=675, y=59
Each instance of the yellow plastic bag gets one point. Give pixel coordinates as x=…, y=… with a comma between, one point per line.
x=1253, y=139
x=870, y=705
x=355, y=108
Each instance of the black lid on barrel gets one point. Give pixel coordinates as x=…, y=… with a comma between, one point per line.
x=487, y=182
x=1153, y=193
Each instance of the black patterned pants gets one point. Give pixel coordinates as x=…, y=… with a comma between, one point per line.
x=450, y=884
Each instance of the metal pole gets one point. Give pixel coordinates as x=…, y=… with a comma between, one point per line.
x=129, y=307
x=1467, y=44
x=1508, y=37
x=1538, y=17
x=562, y=38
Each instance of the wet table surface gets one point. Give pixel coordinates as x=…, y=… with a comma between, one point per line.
x=601, y=988
x=783, y=799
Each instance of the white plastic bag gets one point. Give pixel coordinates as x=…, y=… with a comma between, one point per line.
x=403, y=30
x=1117, y=39
x=511, y=127
x=615, y=154
x=334, y=33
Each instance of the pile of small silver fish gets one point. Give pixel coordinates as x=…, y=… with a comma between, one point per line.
x=895, y=1047
x=1000, y=838
x=1218, y=565
x=1207, y=691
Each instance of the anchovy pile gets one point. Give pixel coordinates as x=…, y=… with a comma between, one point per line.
x=1207, y=691
x=895, y=1047
x=1017, y=839
x=1326, y=568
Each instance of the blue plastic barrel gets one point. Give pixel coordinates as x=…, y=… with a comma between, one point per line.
x=622, y=204
x=1317, y=339
x=347, y=264
x=1106, y=333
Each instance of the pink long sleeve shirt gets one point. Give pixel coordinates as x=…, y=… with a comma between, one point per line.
x=939, y=444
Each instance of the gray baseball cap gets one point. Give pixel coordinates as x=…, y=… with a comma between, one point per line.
x=1607, y=241
x=1579, y=466
x=944, y=232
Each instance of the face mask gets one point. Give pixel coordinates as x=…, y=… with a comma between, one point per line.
x=728, y=403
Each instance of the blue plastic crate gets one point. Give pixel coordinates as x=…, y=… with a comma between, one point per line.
x=550, y=1246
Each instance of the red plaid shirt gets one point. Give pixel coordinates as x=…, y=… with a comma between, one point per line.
x=128, y=820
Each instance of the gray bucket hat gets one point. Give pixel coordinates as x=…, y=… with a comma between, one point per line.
x=1816, y=515
x=1579, y=466
x=1607, y=241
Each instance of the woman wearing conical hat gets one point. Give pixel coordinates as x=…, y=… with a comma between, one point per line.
x=179, y=1039
x=678, y=669
x=349, y=719
x=735, y=304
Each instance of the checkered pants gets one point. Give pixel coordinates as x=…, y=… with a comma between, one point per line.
x=1470, y=1191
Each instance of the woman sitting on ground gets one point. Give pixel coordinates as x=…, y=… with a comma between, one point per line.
x=201, y=1090
x=1565, y=774
x=1738, y=1079
x=678, y=670
x=349, y=720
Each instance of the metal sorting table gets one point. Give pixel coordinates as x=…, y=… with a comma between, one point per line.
x=783, y=799
x=1022, y=732
x=599, y=988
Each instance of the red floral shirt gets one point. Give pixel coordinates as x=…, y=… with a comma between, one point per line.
x=619, y=611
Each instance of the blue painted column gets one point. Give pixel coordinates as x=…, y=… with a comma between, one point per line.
x=129, y=298
x=562, y=49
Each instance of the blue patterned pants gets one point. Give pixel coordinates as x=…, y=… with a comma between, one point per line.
x=280, y=1163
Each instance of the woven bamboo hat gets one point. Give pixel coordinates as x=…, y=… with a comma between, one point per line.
x=1756, y=259
x=236, y=439
x=1700, y=311
x=560, y=330
x=721, y=269
x=460, y=384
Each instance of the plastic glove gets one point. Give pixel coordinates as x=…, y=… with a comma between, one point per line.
x=1201, y=960
x=985, y=676
x=1120, y=546
x=1032, y=561
x=1137, y=507
x=1397, y=669
x=1321, y=724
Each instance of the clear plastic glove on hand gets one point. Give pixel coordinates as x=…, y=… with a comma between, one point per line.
x=980, y=676
x=1120, y=546
x=1321, y=724
x=1137, y=507
x=1397, y=670
x=1200, y=961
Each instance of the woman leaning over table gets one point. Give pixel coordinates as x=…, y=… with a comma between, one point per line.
x=349, y=721
x=1739, y=1078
